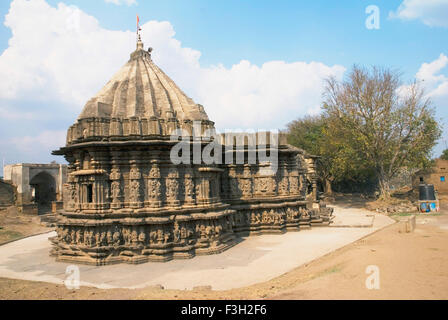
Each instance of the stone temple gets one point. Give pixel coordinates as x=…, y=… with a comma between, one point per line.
x=125, y=199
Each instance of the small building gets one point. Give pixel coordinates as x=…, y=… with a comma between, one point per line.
x=437, y=175
x=37, y=185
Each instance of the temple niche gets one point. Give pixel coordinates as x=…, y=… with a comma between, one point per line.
x=125, y=200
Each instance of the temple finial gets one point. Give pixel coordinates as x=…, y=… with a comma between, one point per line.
x=139, y=38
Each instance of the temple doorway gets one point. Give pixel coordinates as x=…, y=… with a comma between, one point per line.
x=43, y=191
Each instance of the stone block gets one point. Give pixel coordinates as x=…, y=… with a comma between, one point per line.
x=57, y=205
x=407, y=225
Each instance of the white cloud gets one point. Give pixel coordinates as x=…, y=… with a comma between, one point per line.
x=57, y=53
x=47, y=140
x=433, y=13
x=59, y=57
x=121, y=2
x=435, y=82
x=8, y=113
x=430, y=74
x=265, y=97
x=32, y=149
x=63, y=54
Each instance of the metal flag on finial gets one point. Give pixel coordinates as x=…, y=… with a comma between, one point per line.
x=138, y=28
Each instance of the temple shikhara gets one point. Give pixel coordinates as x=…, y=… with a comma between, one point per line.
x=126, y=201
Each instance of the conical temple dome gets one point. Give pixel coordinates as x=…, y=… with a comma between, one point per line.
x=140, y=102
x=142, y=89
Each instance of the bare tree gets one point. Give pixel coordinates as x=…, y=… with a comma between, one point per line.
x=390, y=125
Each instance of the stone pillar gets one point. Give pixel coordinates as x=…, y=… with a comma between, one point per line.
x=202, y=190
x=59, y=187
x=314, y=180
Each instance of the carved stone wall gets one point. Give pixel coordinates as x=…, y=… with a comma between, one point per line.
x=131, y=204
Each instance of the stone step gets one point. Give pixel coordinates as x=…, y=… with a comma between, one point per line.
x=49, y=220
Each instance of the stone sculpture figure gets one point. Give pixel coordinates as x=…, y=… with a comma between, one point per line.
x=154, y=189
x=116, y=191
x=134, y=191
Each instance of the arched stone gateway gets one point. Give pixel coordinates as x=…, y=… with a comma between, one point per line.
x=129, y=199
x=38, y=185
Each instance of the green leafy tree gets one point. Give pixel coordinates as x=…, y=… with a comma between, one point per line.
x=444, y=155
x=383, y=124
x=308, y=133
x=338, y=162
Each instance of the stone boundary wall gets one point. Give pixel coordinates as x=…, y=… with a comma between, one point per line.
x=8, y=194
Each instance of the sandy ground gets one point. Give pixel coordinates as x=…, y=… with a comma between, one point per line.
x=239, y=266
x=411, y=266
x=14, y=226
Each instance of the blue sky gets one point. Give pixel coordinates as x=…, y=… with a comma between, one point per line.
x=332, y=32
x=220, y=35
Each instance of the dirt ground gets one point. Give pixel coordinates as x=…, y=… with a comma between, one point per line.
x=14, y=225
x=411, y=266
